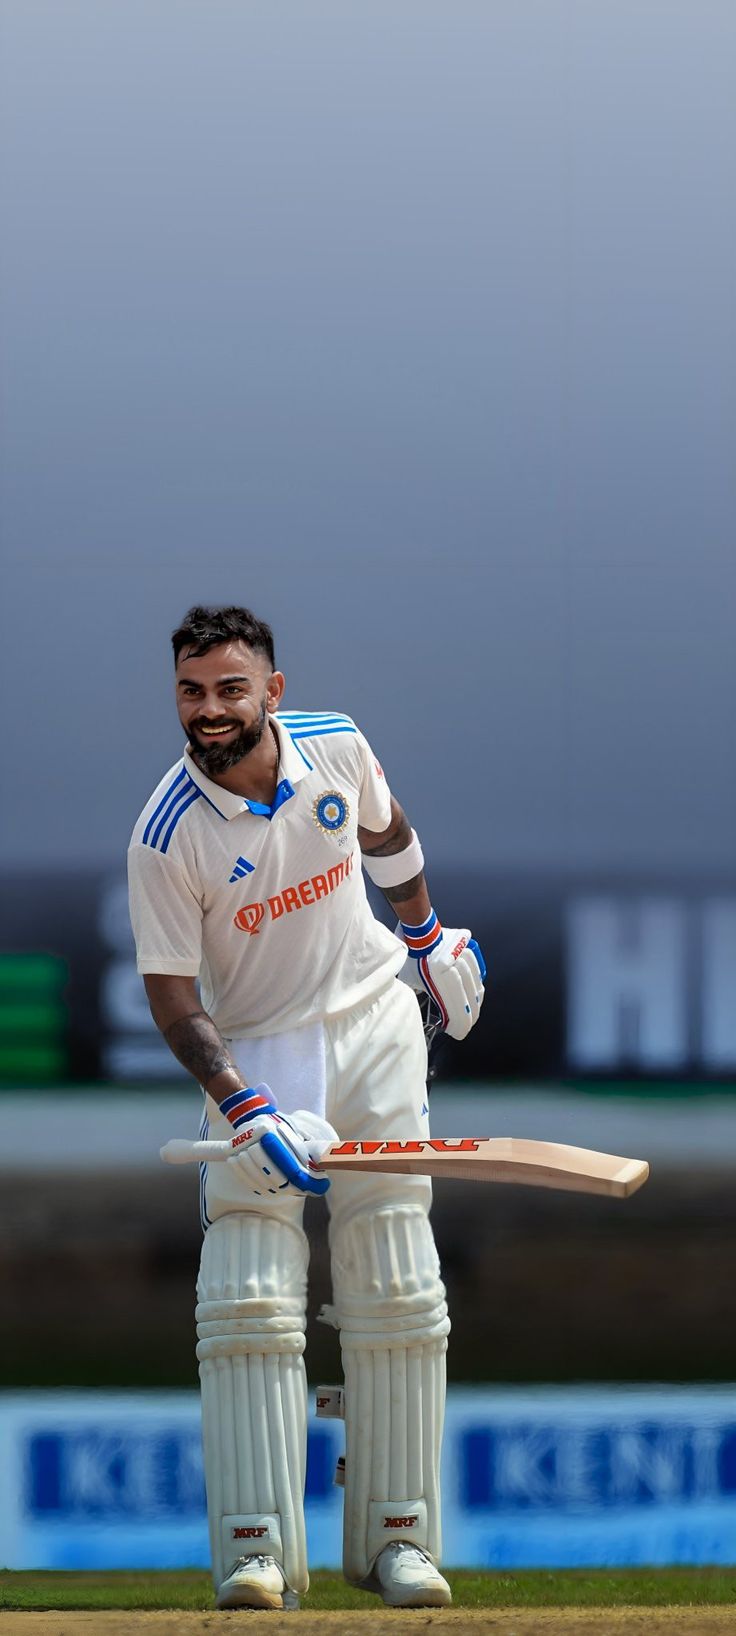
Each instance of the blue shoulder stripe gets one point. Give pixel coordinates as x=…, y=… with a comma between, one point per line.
x=193, y=795
x=182, y=773
x=322, y=732
x=175, y=800
x=303, y=718
x=161, y=825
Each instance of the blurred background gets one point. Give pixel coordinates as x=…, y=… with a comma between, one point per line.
x=413, y=327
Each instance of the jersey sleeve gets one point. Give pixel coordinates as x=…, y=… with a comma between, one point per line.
x=374, y=806
x=165, y=914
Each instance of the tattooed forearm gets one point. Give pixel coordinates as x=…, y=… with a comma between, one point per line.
x=199, y=1047
x=395, y=840
x=407, y=889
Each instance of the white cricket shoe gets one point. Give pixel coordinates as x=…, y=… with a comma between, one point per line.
x=256, y=1582
x=407, y=1579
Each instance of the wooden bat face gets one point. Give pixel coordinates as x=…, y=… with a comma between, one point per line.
x=495, y=1159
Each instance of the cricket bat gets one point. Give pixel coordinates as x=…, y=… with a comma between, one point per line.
x=465, y=1158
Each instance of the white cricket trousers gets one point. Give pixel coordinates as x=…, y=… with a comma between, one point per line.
x=366, y=1072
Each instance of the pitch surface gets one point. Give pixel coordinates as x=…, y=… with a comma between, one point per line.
x=442, y=1622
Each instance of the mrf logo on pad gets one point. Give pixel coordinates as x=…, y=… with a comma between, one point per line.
x=253, y=1525
x=406, y=1518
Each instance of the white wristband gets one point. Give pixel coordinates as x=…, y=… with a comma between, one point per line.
x=398, y=867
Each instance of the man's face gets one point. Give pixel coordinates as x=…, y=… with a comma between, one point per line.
x=223, y=699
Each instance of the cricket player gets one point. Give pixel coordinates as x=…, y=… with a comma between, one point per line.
x=276, y=988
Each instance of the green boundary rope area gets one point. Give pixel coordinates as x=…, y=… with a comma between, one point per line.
x=662, y=1587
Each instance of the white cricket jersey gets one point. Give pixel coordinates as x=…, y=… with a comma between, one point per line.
x=267, y=905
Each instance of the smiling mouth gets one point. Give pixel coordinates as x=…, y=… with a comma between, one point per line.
x=217, y=732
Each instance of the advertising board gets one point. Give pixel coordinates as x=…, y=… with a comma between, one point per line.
x=547, y=1478
x=586, y=979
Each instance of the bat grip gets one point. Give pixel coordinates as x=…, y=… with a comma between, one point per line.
x=181, y=1152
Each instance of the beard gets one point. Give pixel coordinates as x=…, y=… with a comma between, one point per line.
x=219, y=758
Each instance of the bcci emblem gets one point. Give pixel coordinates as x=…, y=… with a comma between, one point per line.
x=331, y=811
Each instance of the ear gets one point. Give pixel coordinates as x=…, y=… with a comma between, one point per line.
x=275, y=690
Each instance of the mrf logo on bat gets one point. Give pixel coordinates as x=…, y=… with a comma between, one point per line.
x=436, y=1144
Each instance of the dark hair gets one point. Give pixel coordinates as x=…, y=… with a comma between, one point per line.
x=205, y=628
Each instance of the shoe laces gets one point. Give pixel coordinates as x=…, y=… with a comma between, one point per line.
x=402, y=1548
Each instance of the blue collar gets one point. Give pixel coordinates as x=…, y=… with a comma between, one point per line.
x=284, y=792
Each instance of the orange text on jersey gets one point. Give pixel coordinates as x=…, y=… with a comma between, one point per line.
x=250, y=917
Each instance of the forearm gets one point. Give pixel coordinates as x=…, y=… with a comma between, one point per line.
x=200, y=1048
x=192, y=1037
x=408, y=898
x=410, y=901
x=449, y=964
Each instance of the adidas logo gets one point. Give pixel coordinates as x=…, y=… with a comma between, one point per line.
x=242, y=868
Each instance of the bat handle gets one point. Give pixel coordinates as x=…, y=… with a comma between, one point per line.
x=181, y=1152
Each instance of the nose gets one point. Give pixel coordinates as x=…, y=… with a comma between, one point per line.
x=210, y=708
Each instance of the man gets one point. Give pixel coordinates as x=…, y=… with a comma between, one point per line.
x=245, y=874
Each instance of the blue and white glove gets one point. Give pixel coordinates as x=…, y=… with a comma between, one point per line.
x=449, y=964
x=277, y=1155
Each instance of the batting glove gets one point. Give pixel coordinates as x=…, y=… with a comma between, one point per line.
x=277, y=1155
x=449, y=964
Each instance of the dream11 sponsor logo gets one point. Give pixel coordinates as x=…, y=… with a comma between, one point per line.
x=250, y=917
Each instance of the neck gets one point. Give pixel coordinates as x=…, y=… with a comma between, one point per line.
x=256, y=775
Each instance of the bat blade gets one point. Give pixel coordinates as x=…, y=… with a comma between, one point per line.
x=495, y=1159
x=465, y=1158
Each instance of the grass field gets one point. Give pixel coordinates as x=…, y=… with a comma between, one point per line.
x=630, y=1588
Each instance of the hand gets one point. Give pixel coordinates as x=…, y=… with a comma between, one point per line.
x=277, y=1155
x=450, y=966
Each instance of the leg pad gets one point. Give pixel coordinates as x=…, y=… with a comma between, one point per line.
x=393, y=1331
x=250, y=1322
